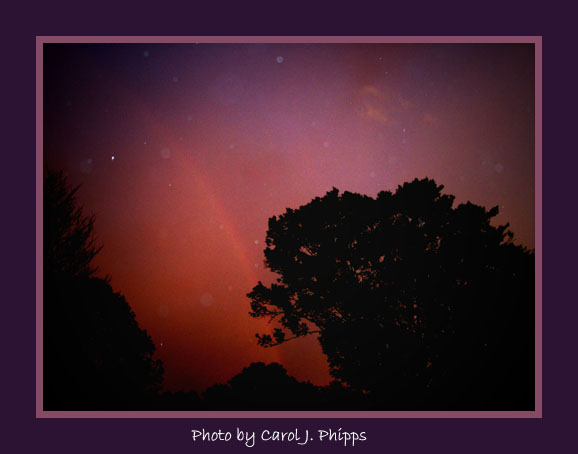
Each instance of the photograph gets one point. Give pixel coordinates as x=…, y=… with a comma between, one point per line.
x=288, y=227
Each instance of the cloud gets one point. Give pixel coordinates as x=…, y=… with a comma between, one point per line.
x=382, y=105
x=372, y=100
x=372, y=113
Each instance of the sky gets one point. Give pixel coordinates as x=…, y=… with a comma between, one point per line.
x=183, y=152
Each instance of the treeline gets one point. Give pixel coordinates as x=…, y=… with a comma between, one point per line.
x=265, y=387
x=417, y=304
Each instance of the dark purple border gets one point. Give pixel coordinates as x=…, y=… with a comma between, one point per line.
x=553, y=433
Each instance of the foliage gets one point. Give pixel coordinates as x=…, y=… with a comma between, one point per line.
x=263, y=386
x=69, y=241
x=414, y=301
x=96, y=357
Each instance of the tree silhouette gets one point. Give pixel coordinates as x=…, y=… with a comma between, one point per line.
x=262, y=386
x=69, y=241
x=96, y=357
x=420, y=304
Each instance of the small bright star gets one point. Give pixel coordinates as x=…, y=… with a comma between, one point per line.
x=279, y=59
x=112, y=158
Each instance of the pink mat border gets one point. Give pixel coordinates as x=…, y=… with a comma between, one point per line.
x=536, y=40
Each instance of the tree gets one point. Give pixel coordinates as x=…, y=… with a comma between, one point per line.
x=96, y=357
x=69, y=240
x=263, y=386
x=414, y=301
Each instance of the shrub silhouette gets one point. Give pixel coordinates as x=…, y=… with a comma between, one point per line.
x=267, y=387
x=419, y=304
x=95, y=355
x=263, y=386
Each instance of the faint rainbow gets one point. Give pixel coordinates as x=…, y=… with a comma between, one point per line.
x=160, y=130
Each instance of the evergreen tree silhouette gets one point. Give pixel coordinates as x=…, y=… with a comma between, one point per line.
x=96, y=357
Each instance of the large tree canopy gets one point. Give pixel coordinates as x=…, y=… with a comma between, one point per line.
x=415, y=301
